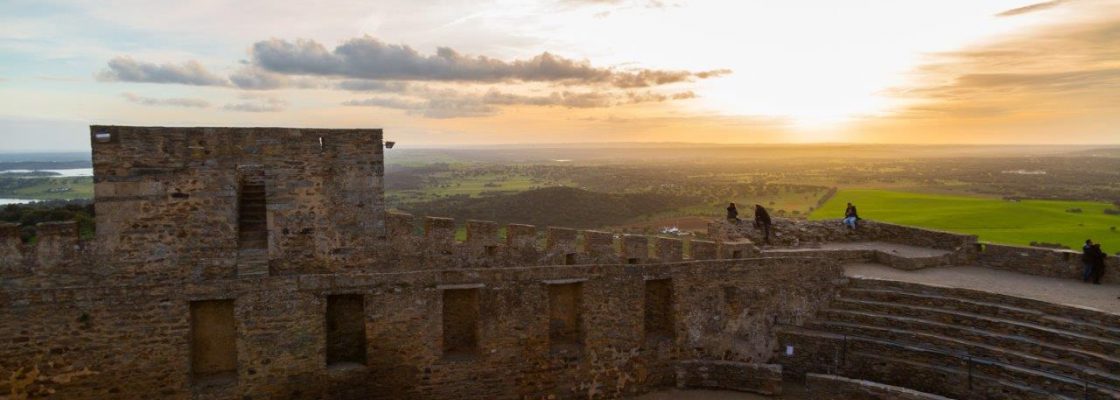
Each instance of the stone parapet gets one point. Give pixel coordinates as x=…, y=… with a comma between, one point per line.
x=1055, y=263
x=523, y=245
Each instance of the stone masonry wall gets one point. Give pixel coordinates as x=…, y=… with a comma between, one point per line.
x=1040, y=261
x=132, y=341
x=167, y=199
x=802, y=233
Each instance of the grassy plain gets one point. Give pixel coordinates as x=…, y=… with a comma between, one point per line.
x=80, y=188
x=992, y=219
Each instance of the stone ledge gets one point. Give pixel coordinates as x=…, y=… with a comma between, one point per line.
x=832, y=387
x=730, y=375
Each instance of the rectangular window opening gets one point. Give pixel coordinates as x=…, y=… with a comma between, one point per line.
x=460, y=323
x=565, y=319
x=659, y=309
x=252, y=214
x=736, y=254
x=631, y=260
x=491, y=251
x=346, y=330
x=570, y=259
x=213, y=341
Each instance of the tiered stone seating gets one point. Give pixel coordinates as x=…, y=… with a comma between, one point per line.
x=959, y=343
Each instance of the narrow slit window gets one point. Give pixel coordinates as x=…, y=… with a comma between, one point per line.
x=346, y=330
x=252, y=217
x=460, y=323
x=565, y=319
x=659, y=308
x=213, y=341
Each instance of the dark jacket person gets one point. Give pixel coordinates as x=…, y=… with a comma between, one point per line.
x=762, y=221
x=732, y=213
x=1099, y=257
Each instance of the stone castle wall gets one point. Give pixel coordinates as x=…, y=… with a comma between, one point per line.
x=134, y=341
x=336, y=298
x=167, y=199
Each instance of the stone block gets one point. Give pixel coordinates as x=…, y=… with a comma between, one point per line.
x=703, y=250
x=669, y=249
x=635, y=249
x=598, y=246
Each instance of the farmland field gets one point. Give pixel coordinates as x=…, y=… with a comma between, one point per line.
x=992, y=219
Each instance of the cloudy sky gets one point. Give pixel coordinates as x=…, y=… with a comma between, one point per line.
x=561, y=71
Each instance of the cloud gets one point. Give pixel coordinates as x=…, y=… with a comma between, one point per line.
x=168, y=102
x=257, y=104
x=1031, y=8
x=448, y=107
x=1019, y=88
x=371, y=59
x=451, y=104
x=125, y=69
x=358, y=85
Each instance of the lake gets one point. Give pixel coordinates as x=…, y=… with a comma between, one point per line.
x=14, y=201
x=61, y=172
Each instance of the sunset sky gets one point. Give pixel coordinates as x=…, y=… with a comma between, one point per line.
x=564, y=71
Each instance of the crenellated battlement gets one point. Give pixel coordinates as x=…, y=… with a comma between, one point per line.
x=418, y=243
x=57, y=254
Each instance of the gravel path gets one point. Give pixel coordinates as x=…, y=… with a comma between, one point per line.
x=1061, y=291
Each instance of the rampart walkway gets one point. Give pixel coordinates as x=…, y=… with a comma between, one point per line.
x=902, y=250
x=1061, y=291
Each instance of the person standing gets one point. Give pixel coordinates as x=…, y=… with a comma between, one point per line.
x=851, y=216
x=762, y=221
x=1098, y=263
x=732, y=213
x=1088, y=259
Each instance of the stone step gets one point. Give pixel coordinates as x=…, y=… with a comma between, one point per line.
x=1005, y=326
x=984, y=308
x=930, y=370
x=1081, y=314
x=931, y=378
x=1057, y=351
x=1093, y=370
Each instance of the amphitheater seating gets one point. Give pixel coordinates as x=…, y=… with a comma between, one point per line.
x=959, y=343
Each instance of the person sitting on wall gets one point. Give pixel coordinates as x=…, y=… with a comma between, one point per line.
x=732, y=214
x=1087, y=260
x=762, y=221
x=851, y=217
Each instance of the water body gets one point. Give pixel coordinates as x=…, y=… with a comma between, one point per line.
x=15, y=201
x=62, y=173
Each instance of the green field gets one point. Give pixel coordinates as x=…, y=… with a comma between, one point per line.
x=992, y=219
x=52, y=189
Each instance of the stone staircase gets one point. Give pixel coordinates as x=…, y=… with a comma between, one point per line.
x=959, y=343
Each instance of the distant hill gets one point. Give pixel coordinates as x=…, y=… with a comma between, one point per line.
x=554, y=206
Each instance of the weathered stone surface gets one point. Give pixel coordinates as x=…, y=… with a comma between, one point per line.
x=831, y=387
x=729, y=375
